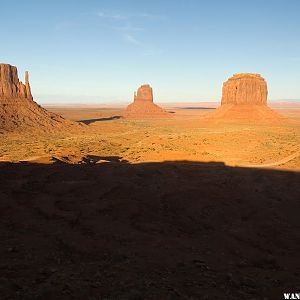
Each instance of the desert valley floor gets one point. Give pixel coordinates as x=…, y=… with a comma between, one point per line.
x=172, y=208
x=183, y=136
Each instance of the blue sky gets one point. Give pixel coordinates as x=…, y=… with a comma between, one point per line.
x=92, y=51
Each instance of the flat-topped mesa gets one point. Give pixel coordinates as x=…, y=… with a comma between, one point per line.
x=245, y=88
x=144, y=93
x=11, y=86
x=244, y=100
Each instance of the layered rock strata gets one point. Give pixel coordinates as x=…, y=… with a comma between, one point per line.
x=18, y=111
x=245, y=88
x=244, y=100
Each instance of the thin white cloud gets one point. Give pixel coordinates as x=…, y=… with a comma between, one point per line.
x=132, y=40
x=129, y=31
x=128, y=28
x=146, y=50
x=149, y=16
x=114, y=16
x=126, y=16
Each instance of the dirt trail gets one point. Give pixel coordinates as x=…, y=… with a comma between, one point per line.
x=277, y=163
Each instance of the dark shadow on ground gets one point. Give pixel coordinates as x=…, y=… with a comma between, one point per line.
x=90, y=121
x=87, y=159
x=94, y=159
x=172, y=230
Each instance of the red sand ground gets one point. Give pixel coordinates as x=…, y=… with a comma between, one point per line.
x=245, y=114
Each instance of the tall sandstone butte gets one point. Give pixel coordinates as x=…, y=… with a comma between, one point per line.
x=144, y=93
x=143, y=106
x=10, y=86
x=245, y=88
x=17, y=108
x=244, y=99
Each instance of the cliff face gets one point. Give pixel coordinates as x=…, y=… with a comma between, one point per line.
x=244, y=100
x=18, y=111
x=10, y=86
x=143, y=106
x=144, y=93
x=245, y=88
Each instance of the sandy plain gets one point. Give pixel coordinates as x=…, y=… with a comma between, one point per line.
x=181, y=137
